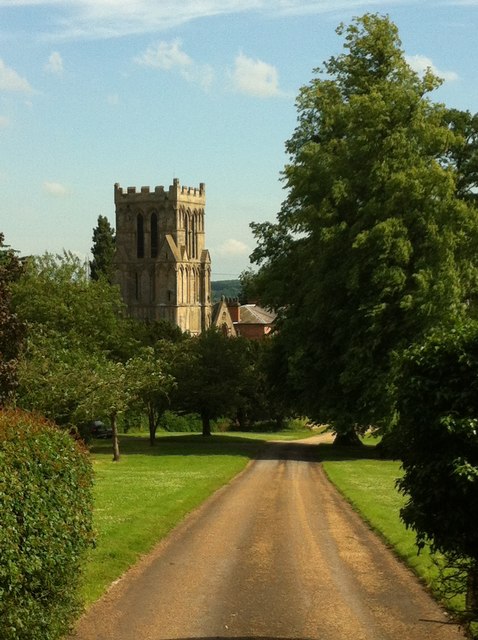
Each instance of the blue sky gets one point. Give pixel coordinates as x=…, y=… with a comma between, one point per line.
x=94, y=92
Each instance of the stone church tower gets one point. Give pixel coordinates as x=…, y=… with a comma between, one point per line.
x=162, y=266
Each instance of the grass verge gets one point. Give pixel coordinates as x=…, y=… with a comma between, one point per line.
x=368, y=483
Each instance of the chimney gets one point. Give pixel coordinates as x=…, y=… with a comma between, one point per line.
x=233, y=308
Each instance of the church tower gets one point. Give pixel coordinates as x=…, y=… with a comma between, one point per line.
x=162, y=266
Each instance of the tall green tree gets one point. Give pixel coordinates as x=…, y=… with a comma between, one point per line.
x=103, y=250
x=11, y=327
x=372, y=246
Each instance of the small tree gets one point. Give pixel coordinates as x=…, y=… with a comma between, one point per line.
x=438, y=445
x=103, y=250
x=151, y=382
x=210, y=376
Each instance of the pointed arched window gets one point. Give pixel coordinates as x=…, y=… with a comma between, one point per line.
x=139, y=236
x=154, y=235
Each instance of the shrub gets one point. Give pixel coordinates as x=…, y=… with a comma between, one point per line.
x=45, y=526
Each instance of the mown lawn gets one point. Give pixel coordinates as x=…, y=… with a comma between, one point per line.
x=368, y=483
x=139, y=499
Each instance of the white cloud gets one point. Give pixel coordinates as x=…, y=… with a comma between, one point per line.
x=10, y=80
x=113, y=99
x=165, y=55
x=233, y=247
x=255, y=77
x=4, y=122
x=169, y=56
x=54, y=64
x=421, y=63
x=56, y=189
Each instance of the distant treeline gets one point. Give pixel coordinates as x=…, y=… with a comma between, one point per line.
x=227, y=288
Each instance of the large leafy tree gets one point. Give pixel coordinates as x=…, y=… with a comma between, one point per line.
x=11, y=327
x=103, y=250
x=437, y=439
x=372, y=246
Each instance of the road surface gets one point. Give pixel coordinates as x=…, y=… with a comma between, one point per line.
x=274, y=554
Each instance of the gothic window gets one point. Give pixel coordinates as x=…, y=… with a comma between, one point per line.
x=154, y=235
x=139, y=236
x=186, y=232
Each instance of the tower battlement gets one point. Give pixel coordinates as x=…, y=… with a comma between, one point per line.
x=175, y=192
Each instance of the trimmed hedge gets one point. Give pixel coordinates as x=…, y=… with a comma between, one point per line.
x=45, y=526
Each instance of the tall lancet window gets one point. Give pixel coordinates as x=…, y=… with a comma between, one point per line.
x=139, y=236
x=154, y=235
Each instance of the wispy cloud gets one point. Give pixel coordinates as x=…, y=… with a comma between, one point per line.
x=254, y=77
x=4, y=122
x=421, y=63
x=169, y=56
x=56, y=189
x=233, y=247
x=54, y=64
x=116, y=18
x=10, y=80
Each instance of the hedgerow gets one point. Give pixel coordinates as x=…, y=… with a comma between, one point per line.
x=45, y=526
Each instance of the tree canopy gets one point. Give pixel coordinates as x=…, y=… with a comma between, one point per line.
x=373, y=245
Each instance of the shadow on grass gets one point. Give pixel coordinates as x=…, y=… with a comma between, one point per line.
x=191, y=444
x=221, y=445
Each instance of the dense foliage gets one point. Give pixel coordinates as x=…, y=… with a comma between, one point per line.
x=45, y=526
x=438, y=445
x=213, y=375
x=374, y=245
x=11, y=327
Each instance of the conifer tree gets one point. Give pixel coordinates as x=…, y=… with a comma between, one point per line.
x=103, y=250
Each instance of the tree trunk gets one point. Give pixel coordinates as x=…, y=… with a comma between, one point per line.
x=152, y=427
x=114, y=428
x=206, y=423
x=472, y=590
x=347, y=439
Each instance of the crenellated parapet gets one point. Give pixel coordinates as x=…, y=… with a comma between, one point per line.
x=176, y=193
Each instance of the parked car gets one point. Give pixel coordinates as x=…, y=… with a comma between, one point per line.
x=98, y=429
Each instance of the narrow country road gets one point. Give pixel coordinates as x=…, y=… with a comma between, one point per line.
x=275, y=554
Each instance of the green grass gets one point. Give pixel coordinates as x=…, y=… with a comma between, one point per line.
x=149, y=491
x=368, y=483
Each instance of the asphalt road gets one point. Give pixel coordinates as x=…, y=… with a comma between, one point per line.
x=275, y=554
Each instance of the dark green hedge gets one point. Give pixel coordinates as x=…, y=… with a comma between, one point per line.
x=45, y=526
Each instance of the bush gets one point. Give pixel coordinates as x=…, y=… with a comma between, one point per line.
x=45, y=526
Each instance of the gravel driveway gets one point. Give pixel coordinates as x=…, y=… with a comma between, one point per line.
x=277, y=553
